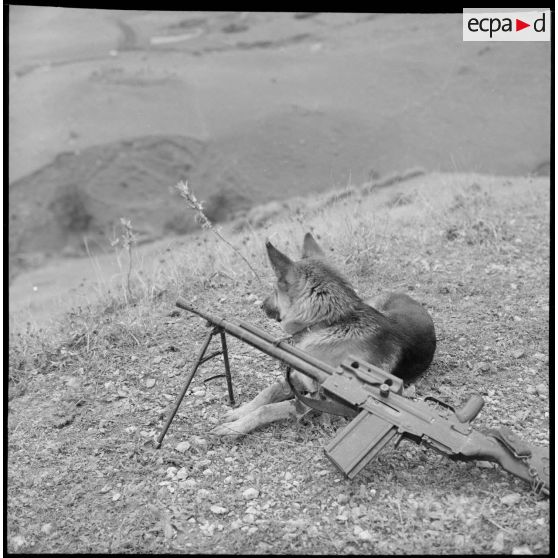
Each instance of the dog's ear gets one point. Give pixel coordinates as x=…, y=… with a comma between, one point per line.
x=280, y=263
x=310, y=248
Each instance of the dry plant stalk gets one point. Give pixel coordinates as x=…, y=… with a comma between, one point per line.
x=193, y=203
x=127, y=240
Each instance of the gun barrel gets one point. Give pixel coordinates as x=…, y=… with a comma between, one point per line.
x=289, y=348
x=266, y=343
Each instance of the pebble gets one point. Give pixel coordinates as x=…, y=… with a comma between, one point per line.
x=149, y=383
x=498, y=544
x=18, y=541
x=511, y=499
x=46, y=528
x=218, y=510
x=365, y=535
x=483, y=366
x=531, y=390
x=236, y=524
x=182, y=473
x=250, y=494
x=171, y=472
x=207, y=472
x=542, y=389
x=540, y=356
x=518, y=354
x=182, y=447
x=288, y=476
x=521, y=550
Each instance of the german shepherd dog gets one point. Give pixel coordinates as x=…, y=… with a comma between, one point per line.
x=323, y=315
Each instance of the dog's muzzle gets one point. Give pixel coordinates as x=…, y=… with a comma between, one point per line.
x=271, y=310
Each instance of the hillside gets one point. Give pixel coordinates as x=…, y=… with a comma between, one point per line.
x=86, y=400
x=108, y=109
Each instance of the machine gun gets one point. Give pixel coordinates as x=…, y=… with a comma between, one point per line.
x=375, y=398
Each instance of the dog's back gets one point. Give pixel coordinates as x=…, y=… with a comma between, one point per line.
x=397, y=336
x=414, y=328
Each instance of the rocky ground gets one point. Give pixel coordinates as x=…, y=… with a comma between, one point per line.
x=86, y=402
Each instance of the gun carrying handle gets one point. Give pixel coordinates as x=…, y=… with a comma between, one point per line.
x=470, y=409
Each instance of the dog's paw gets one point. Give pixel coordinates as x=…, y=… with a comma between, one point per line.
x=234, y=414
x=227, y=430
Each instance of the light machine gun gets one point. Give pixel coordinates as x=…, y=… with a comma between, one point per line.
x=383, y=414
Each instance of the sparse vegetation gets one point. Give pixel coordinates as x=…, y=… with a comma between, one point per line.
x=85, y=402
x=127, y=240
x=196, y=205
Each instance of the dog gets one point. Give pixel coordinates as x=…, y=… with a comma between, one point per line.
x=323, y=315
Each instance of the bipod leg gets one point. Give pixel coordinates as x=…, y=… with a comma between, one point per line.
x=227, y=367
x=186, y=386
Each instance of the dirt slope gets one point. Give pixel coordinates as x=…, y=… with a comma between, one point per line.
x=85, y=406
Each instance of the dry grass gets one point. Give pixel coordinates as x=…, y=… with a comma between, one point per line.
x=83, y=475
